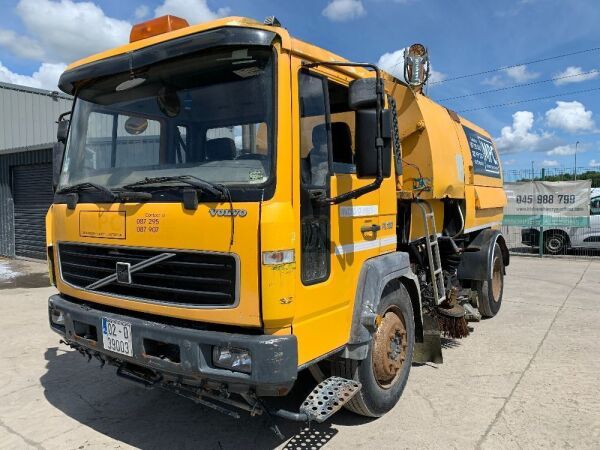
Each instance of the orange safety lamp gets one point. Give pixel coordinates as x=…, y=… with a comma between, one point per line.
x=157, y=26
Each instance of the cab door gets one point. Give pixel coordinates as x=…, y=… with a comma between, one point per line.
x=335, y=240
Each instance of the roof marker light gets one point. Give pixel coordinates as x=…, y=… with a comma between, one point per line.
x=157, y=26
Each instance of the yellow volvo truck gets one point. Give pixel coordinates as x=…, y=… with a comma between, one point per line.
x=234, y=205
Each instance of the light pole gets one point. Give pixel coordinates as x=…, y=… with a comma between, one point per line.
x=575, y=168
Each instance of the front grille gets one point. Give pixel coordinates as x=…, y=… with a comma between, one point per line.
x=187, y=278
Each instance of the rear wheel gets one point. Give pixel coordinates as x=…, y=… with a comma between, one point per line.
x=489, y=291
x=384, y=373
x=555, y=243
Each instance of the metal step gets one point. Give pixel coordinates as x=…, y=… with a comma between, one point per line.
x=328, y=397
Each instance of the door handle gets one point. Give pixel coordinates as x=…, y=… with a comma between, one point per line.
x=374, y=228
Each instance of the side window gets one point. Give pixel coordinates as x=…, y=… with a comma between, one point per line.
x=314, y=152
x=595, y=206
x=342, y=129
x=314, y=170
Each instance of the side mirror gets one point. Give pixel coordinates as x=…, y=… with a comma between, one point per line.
x=365, y=149
x=58, y=151
x=363, y=94
x=62, y=131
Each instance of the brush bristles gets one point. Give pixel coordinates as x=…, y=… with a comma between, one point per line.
x=453, y=327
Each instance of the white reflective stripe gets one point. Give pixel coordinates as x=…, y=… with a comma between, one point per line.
x=359, y=211
x=389, y=240
x=364, y=245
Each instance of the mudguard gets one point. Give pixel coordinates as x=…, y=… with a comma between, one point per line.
x=477, y=259
x=375, y=274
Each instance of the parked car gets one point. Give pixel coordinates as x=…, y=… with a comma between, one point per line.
x=558, y=240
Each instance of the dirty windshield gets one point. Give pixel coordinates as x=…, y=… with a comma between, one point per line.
x=208, y=115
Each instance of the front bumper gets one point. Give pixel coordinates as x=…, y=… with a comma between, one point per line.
x=274, y=358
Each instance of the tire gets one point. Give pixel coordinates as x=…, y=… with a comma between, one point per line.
x=490, y=291
x=555, y=243
x=378, y=396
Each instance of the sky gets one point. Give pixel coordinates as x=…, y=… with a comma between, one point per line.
x=464, y=37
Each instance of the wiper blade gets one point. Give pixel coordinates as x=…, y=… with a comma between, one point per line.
x=207, y=186
x=84, y=186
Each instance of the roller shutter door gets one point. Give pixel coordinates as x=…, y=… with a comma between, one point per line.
x=32, y=195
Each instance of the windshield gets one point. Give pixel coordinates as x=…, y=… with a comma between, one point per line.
x=209, y=115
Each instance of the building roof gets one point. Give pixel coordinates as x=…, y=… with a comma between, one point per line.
x=28, y=117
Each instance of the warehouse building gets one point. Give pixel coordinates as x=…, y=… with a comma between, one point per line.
x=27, y=134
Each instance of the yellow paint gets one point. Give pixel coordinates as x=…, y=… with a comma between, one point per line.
x=274, y=298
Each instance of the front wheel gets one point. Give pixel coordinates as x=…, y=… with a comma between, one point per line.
x=384, y=373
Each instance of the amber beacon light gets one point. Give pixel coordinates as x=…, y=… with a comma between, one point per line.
x=154, y=27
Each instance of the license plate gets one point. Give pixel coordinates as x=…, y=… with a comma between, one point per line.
x=116, y=336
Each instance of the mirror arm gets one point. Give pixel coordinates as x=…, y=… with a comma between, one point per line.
x=378, y=139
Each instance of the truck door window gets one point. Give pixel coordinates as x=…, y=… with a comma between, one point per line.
x=314, y=171
x=342, y=129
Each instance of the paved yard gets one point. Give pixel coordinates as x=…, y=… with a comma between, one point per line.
x=529, y=378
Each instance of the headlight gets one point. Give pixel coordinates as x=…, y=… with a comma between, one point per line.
x=236, y=359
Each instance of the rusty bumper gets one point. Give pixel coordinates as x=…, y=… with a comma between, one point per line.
x=274, y=358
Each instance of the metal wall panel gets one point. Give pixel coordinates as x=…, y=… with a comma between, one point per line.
x=28, y=116
x=7, y=163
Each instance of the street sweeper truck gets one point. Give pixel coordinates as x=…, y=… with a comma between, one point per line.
x=234, y=205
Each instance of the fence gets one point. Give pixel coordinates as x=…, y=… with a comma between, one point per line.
x=553, y=174
x=557, y=241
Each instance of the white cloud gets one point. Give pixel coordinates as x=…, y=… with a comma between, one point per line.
x=508, y=162
x=550, y=163
x=519, y=136
x=393, y=62
x=343, y=10
x=141, y=12
x=520, y=74
x=70, y=30
x=574, y=74
x=194, y=11
x=67, y=30
x=568, y=149
x=22, y=46
x=495, y=81
x=571, y=117
x=46, y=77
x=594, y=163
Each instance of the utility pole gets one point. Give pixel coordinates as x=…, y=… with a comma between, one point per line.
x=575, y=168
x=532, y=173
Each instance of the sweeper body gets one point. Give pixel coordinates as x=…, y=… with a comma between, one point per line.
x=234, y=205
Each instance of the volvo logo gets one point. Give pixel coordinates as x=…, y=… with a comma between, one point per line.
x=228, y=212
x=124, y=272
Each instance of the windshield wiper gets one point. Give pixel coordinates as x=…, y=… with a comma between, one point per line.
x=75, y=188
x=206, y=186
x=113, y=196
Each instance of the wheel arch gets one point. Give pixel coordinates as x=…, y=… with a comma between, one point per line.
x=476, y=261
x=378, y=274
